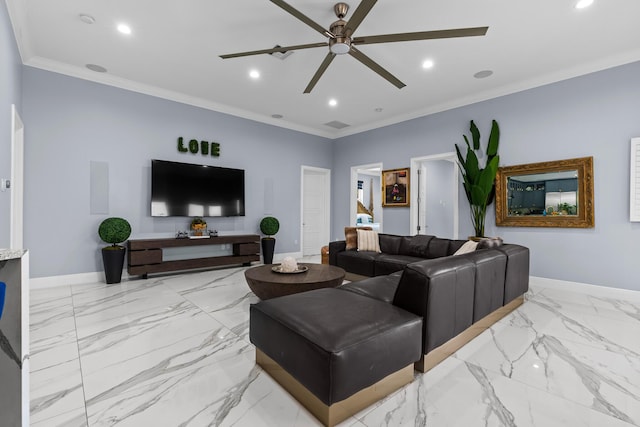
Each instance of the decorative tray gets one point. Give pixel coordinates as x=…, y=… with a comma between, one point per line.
x=278, y=269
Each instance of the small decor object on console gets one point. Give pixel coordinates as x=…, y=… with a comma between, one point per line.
x=198, y=225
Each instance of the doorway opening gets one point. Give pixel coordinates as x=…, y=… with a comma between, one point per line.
x=366, y=196
x=434, y=196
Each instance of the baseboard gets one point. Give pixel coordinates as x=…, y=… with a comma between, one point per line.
x=69, y=279
x=595, y=290
x=98, y=276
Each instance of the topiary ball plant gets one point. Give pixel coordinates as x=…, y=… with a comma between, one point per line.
x=269, y=226
x=114, y=230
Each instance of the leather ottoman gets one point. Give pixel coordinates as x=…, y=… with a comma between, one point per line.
x=335, y=351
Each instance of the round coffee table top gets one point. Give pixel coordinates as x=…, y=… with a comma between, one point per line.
x=266, y=283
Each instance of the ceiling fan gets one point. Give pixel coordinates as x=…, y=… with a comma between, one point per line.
x=341, y=40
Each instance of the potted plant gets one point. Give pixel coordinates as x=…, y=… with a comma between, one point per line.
x=269, y=226
x=114, y=231
x=479, y=182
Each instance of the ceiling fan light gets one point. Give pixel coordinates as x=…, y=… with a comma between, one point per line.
x=340, y=45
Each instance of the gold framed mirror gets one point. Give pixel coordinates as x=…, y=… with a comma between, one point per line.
x=546, y=194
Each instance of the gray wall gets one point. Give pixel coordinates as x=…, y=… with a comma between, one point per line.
x=71, y=122
x=10, y=93
x=592, y=115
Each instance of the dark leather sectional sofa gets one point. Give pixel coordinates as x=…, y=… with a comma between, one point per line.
x=450, y=292
x=339, y=350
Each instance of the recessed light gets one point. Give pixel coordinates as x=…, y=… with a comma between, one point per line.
x=581, y=4
x=96, y=68
x=428, y=63
x=378, y=110
x=124, y=29
x=87, y=19
x=483, y=74
x=277, y=116
x=333, y=102
x=254, y=74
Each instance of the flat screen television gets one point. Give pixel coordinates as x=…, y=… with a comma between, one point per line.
x=183, y=189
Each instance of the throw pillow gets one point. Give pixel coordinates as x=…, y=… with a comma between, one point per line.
x=468, y=246
x=351, y=237
x=489, y=242
x=368, y=241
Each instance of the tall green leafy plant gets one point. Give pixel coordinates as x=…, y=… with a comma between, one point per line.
x=479, y=181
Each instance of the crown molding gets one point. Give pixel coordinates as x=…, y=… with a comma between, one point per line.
x=543, y=80
x=119, y=82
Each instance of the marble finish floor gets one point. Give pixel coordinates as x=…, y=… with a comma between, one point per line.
x=174, y=351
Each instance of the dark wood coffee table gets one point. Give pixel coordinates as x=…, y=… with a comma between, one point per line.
x=266, y=283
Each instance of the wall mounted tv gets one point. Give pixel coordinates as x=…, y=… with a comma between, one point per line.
x=183, y=189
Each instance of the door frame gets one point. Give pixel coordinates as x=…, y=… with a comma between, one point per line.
x=327, y=208
x=353, y=193
x=416, y=163
x=16, y=215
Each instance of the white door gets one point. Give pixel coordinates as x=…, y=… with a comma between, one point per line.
x=315, y=209
x=17, y=180
x=434, y=200
x=438, y=199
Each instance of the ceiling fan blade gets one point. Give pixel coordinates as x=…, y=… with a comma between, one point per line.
x=320, y=72
x=302, y=17
x=375, y=67
x=421, y=35
x=275, y=49
x=358, y=16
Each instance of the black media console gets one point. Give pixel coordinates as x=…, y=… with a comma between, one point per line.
x=145, y=256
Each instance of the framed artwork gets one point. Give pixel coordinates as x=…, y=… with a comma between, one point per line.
x=395, y=188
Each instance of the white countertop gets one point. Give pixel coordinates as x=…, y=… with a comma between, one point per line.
x=6, y=254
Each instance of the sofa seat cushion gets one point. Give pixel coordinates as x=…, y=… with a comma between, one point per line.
x=382, y=288
x=389, y=263
x=335, y=343
x=357, y=262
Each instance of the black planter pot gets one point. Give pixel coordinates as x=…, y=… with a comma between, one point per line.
x=268, y=244
x=113, y=260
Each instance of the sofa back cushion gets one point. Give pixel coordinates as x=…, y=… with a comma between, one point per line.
x=438, y=248
x=415, y=245
x=454, y=245
x=389, y=243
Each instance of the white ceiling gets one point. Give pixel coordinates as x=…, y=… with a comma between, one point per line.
x=174, y=47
